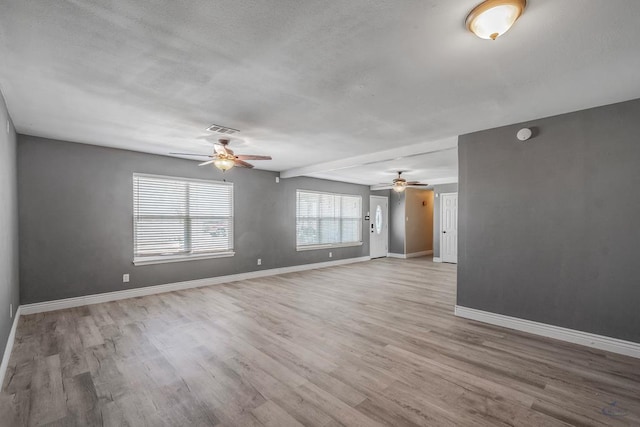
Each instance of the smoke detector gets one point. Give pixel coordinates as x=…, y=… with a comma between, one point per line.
x=524, y=134
x=222, y=129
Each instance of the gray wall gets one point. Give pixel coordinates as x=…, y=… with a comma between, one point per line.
x=9, y=290
x=76, y=225
x=396, y=222
x=548, y=229
x=437, y=226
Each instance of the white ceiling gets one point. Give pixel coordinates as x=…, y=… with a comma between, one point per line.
x=306, y=81
x=441, y=167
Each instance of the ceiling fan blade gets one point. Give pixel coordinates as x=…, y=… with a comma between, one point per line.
x=417, y=185
x=222, y=149
x=191, y=154
x=242, y=164
x=252, y=157
x=206, y=163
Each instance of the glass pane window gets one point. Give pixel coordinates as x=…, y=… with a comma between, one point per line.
x=326, y=219
x=179, y=216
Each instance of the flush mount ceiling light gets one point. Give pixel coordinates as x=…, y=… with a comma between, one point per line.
x=492, y=18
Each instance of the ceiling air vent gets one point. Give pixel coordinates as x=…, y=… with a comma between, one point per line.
x=222, y=129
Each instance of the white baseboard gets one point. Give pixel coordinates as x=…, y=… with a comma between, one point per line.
x=411, y=255
x=600, y=342
x=392, y=255
x=9, y=347
x=41, y=307
x=437, y=259
x=418, y=254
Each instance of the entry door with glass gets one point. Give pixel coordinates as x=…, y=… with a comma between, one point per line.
x=379, y=226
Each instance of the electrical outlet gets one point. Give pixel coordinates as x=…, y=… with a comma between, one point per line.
x=277, y=179
x=330, y=255
x=125, y=278
x=259, y=261
x=10, y=310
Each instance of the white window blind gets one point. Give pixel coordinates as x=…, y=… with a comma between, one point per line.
x=325, y=219
x=176, y=217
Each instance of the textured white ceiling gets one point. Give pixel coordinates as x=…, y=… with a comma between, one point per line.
x=441, y=167
x=305, y=81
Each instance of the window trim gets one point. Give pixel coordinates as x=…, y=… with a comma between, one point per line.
x=186, y=256
x=301, y=248
x=327, y=246
x=163, y=259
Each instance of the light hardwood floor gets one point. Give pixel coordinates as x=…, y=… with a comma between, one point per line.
x=373, y=343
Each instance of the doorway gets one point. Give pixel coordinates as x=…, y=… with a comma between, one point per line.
x=449, y=219
x=379, y=226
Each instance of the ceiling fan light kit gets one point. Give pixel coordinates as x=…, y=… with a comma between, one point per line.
x=400, y=184
x=399, y=187
x=492, y=18
x=224, y=164
x=224, y=158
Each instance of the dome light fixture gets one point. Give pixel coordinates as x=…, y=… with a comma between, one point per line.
x=399, y=186
x=492, y=18
x=224, y=163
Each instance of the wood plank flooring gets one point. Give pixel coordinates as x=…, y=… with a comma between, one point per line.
x=367, y=344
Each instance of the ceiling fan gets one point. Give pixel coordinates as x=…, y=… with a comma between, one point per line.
x=224, y=158
x=400, y=184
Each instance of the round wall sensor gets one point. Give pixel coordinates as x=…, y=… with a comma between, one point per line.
x=524, y=134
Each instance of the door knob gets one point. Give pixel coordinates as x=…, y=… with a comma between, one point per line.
x=444, y=232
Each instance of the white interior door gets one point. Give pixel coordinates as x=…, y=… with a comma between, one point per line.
x=379, y=226
x=449, y=219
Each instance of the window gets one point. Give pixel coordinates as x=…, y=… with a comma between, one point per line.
x=176, y=219
x=326, y=220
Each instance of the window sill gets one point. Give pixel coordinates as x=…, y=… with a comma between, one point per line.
x=329, y=246
x=180, y=258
